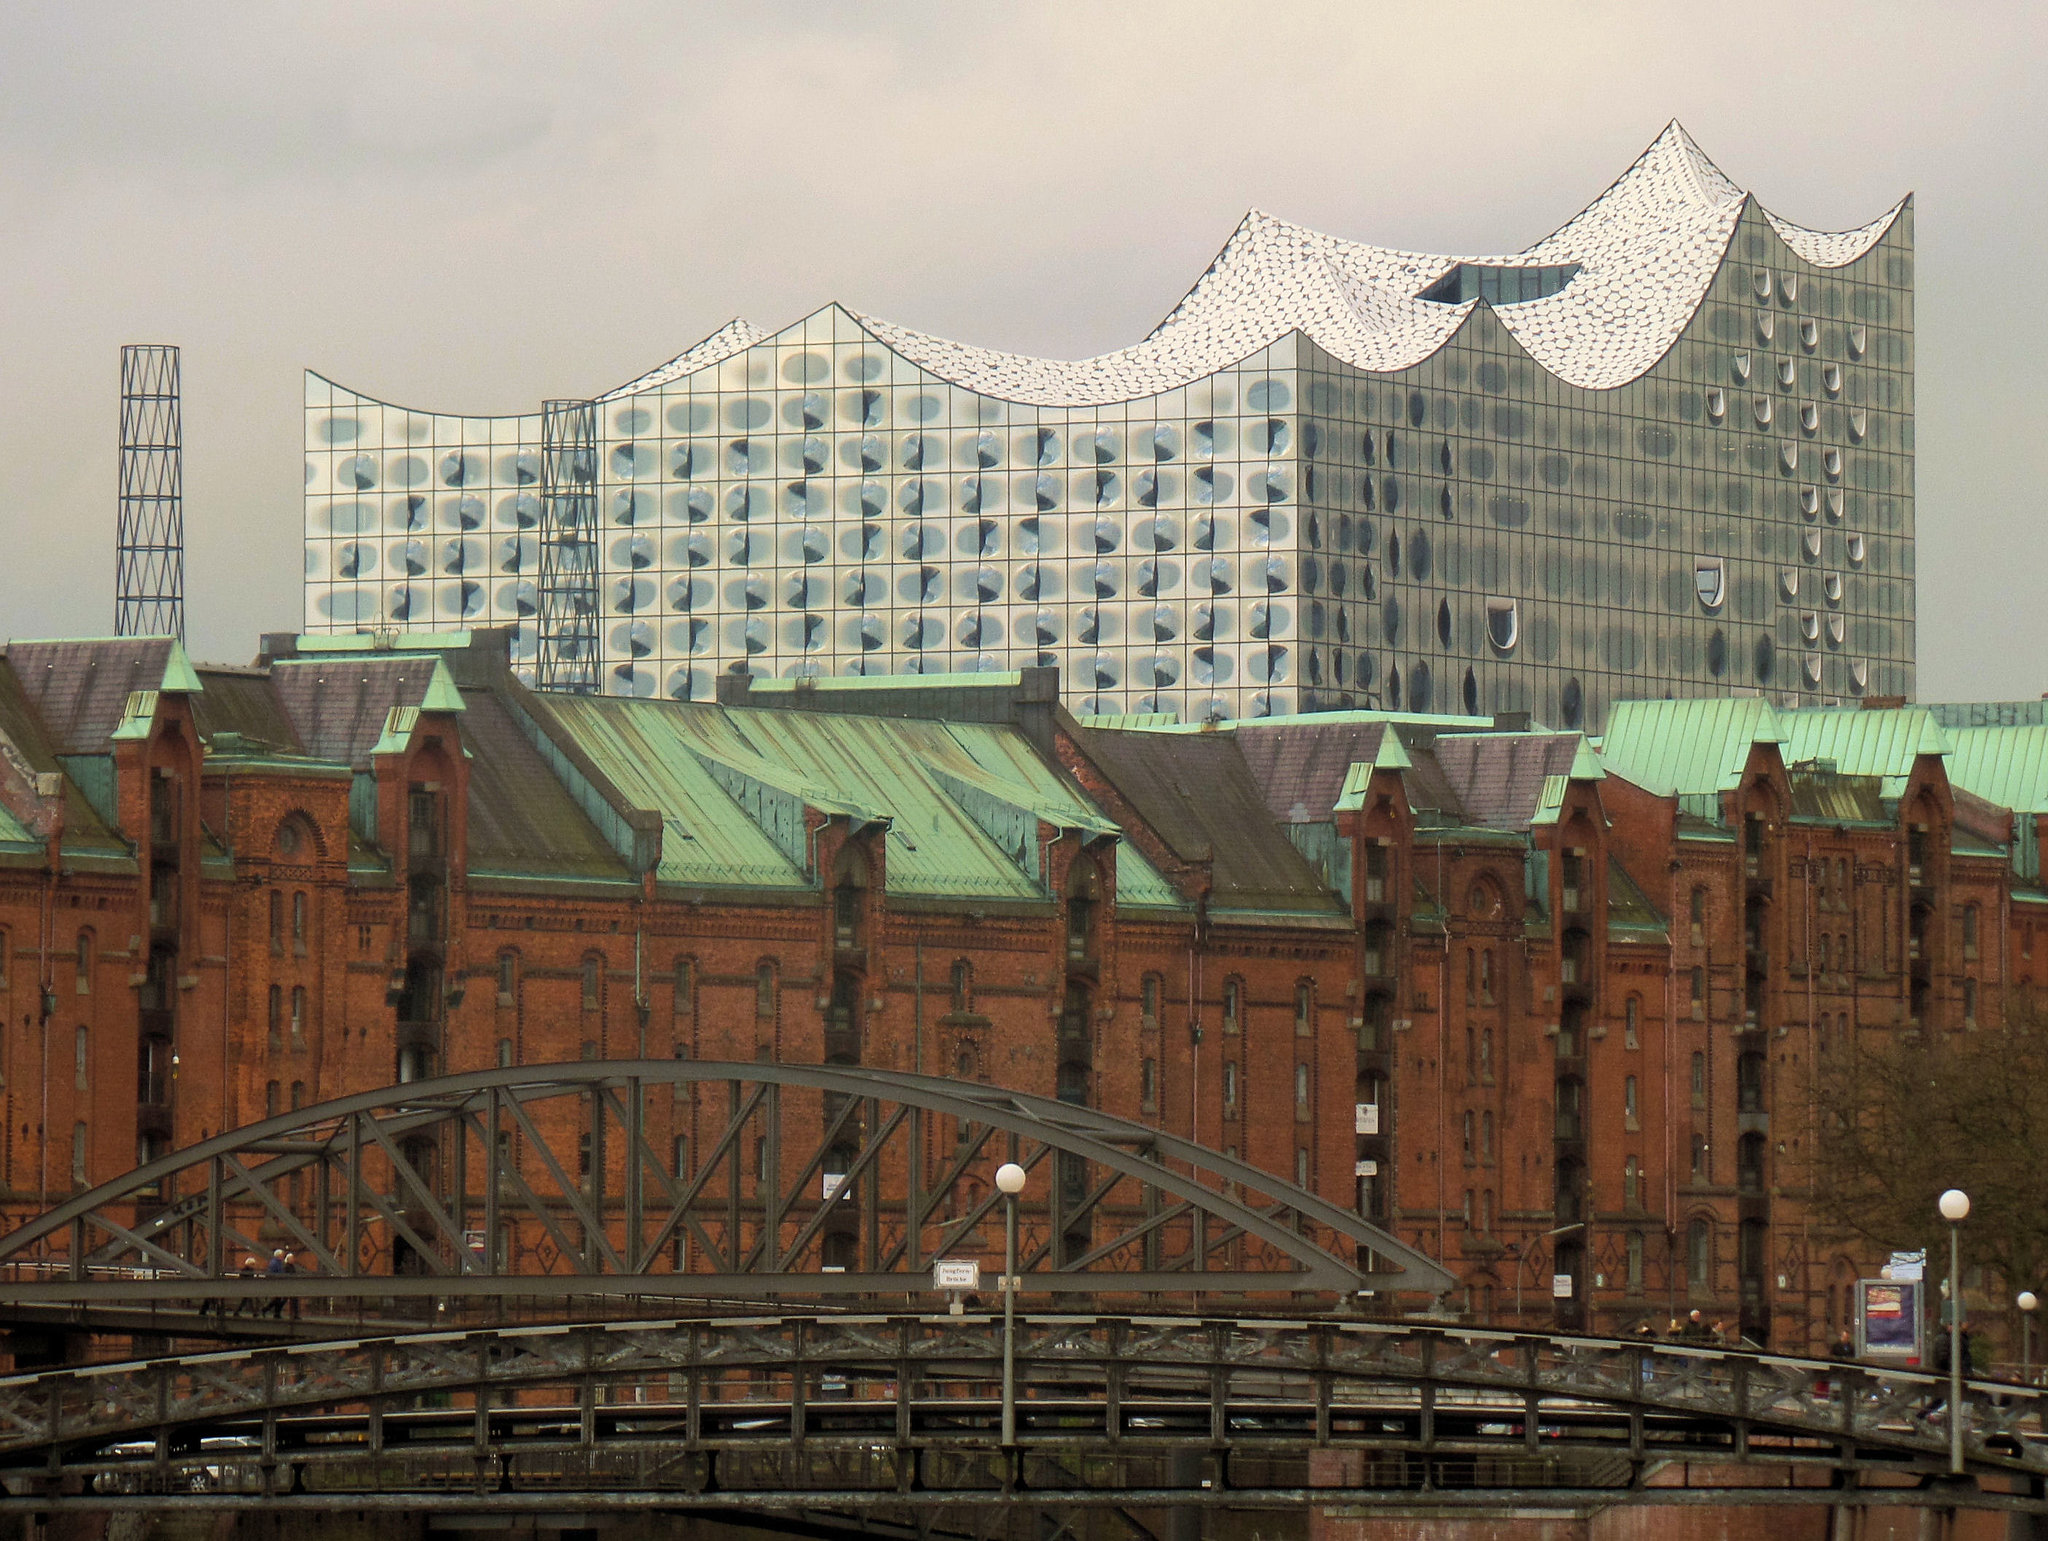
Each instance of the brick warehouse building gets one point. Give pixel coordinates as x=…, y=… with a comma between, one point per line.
x=1426, y=965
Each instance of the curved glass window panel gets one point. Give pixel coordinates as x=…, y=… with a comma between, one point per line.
x=1762, y=408
x=1809, y=501
x=747, y=548
x=409, y=557
x=1161, y=624
x=1831, y=588
x=1809, y=626
x=1103, y=487
x=1104, y=580
x=804, y=591
x=988, y=585
x=634, y=638
x=1156, y=577
x=921, y=451
x=1045, y=492
x=1503, y=624
x=1788, y=372
x=1045, y=628
x=1268, y=526
x=921, y=586
x=988, y=450
x=1390, y=620
x=1831, y=463
x=1163, y=441
x=1108, y=535
x=686, y=593
x=1856, y=550
x=1834, y=502
x=1421, y=557
x=358, y=559
x=1218, y=574
x=1212, y=485
x=634, y=551
x=1042, y=447
x=1788, y=584
x=864, y=590
x=1717, y=404
x=520, y=511
x=1831, y=378
x=970, y=494
x=745, y=503
x=1837, y=630
x=1810, y=545
x=458, y=469
x=690, y=550
x=1765, y=662
x=631, y=594
x=1710, y=582
x=1212, y=667
x=1156, y=534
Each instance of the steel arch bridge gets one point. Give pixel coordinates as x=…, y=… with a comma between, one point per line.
x=652, y=1179
x=896, y=1418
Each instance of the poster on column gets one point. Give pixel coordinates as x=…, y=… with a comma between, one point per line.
x=1888, y=1320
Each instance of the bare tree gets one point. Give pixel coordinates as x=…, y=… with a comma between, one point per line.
x=1905, y=1114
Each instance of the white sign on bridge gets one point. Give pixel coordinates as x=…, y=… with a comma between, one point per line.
x=955, y=1273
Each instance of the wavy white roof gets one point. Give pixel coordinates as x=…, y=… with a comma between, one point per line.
x=1646, y=250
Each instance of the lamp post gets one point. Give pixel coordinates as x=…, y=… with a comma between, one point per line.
x=1955, y=1209
x=1010, y=1183
x=2028, y=1303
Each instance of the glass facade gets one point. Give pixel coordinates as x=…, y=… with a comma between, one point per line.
x=1288, y=531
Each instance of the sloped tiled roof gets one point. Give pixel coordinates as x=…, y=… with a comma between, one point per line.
x=339, y=706
x=1500, y=778
x=243, y=701
x=521, y=818
x=80, y=689
x=1301, y=765
x=1201, y=797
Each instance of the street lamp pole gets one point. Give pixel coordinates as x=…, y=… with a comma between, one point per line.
x=2028, y=1303
x=1576, y=1225
x=1010, y=1183
x=1955, y=1209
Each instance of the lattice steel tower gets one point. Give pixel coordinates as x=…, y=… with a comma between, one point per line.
x=566, y=658
x=149, y=555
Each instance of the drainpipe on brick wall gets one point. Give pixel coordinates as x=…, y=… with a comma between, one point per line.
x=227, y=963
x=1194, y=1049
x=1812, y=1118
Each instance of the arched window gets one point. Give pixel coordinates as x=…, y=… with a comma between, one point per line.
x=81, y=1062
x=1233, y=1005
x=299, y=921
x=1304, y=1009
x=593, y=973
x=85, y=951
x=1471, y=1143
x=1970, y=931
x=78, y=1152
x=1301, y=1103
x=1630, y=1114
x=277, y=920
x=275, y=1024
x=298, y=1095
x=1471, y=976
x=1699, y=1079
x=273, y=1097
x=1486, y=1137
x=1699, y=991
x=1486, y=1055
x=1632, y=1023
x=1230, y=1088
x=764, y=989
x=963, y=985
x=1486, y=977
x=298, y=1014
x=1970, y=1002
x=508, y=978
x=1150, y=991
x=1699, y=919
x=1631, y=1183
x=1699, y=1255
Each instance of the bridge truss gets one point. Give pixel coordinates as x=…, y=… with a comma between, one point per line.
x=897, y=1419
x=654, y=1179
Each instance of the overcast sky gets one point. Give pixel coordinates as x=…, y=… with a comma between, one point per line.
x=470, y=207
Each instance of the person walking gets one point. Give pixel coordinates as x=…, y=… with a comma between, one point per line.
x=249, y=1303
x=275, y=1270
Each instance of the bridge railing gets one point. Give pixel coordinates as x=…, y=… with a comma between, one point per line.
x=395, y=1412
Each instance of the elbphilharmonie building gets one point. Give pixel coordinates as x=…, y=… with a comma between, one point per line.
x=1666, y=450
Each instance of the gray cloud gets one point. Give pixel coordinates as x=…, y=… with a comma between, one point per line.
x=472, y=206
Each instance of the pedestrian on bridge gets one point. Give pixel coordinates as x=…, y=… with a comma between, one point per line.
x=248, y=1303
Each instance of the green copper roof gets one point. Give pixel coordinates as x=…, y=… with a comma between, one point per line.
x=387, y=642
x=1692, y=747
x=442, y=696
x=14, y=835
x=1861, y=743
x=179, y=674
x=137, y=713
x=962, y=801
x=2007, y=766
